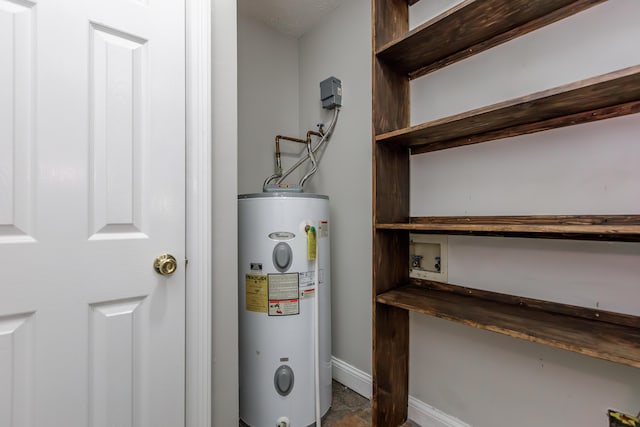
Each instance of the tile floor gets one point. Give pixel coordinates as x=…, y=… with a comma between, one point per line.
x=348, y=409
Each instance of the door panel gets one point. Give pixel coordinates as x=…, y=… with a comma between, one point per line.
x=16, y=370
x=119, y=113
x=92, y=140
x=16, y=119
x=115, y=338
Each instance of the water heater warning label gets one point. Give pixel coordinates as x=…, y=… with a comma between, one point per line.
x=307, y=293
x=284, y=307
x=323, y=229
x=256, y=292
x=306, y=278
x=284, y=294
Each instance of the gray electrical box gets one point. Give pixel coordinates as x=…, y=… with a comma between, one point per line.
x=331, y=93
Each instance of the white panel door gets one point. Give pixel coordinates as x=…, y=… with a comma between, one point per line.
x=92, y=140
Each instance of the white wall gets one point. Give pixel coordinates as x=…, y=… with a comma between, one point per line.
x=279, y=93
x=341, y=47
x=480, y=377
x=267, y=101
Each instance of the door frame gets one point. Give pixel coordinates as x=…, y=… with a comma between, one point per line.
x=211, y=375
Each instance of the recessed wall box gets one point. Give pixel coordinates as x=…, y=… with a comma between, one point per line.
x=428, y=258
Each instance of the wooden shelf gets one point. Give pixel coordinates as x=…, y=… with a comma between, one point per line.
x=602, y=97
x=399, y=55
x=625, y=228
x=472, y=27
x=584, y=334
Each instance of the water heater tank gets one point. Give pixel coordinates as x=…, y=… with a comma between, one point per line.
x=276, y=298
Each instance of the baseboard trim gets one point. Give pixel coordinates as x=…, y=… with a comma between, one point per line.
x=427, y=416
x=346, y=374
x=420, y=413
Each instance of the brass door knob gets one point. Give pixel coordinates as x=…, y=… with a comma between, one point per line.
x=165, y=264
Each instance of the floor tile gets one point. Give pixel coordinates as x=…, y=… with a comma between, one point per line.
x=348, y=409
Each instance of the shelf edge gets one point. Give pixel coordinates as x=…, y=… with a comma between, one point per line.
x=478, y=45
x=624, y=228
x=387, y=298
x=596, y=98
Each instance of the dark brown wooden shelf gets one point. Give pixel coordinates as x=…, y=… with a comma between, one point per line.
x=602, y=97
x=585, y=334
x=472, y=27
x=624, y=228
x=399, y=55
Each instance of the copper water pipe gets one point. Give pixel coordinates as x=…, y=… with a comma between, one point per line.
x=290, y=138
x=311, y=132
x=287, y=138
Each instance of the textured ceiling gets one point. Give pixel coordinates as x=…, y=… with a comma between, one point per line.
x=291, y=17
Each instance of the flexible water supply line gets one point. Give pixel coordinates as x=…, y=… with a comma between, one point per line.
x=311, y=156
x=278, y=156
x=315, y=149
x=314, y=165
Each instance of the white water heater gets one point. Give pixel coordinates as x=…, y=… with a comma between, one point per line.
x=278, y=233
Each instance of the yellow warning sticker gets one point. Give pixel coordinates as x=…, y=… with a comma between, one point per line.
x=256, y=293
x=311, y=244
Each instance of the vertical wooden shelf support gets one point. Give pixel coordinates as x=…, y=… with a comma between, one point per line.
x=390, y=363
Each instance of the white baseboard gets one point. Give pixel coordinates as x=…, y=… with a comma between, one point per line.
x=426, y=415
x=419, y=412
x=357, y=380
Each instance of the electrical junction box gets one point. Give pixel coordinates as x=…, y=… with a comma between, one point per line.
x=331, y=93
x=428, y=258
